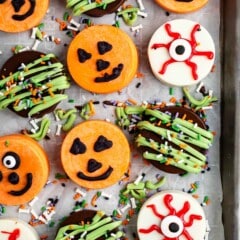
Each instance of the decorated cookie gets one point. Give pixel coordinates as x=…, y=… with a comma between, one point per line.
x=89, y=224
x=95, y=154
x=94, y=8
x=181, y=53
x=20, y=15
x=16, y=229
x=32, y=83
x=102, y=59
x=174, y=139
x=181, y=6
x=24, y=169
x=171, y=215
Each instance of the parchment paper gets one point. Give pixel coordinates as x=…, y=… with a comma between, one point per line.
x=150, y=89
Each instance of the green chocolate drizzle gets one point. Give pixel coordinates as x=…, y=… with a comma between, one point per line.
x=100, y=226
x=34, y=87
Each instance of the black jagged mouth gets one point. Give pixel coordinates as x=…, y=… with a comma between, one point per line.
x=21, y=17
x=103, y=176
x=22, y=191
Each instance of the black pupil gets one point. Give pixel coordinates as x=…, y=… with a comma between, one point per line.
x=173, y=227
x=8, y=162
x=180, y=49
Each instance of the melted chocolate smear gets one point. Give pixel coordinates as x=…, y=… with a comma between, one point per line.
x=78, y=147
x=83, y=55
x=101, y=64
x=104, y=47
x=102, y=144
x=93, y=165
x=116, y=72
x=104, y=176
x=17, y=4
x=1, y=176
x=25, y=189
x=27, y=14
x=184, y=0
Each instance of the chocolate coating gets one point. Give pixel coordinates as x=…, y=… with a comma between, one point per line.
x=190, y=115
x=99, y=12
x=11, y=66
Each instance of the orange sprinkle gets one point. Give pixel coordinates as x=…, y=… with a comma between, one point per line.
x=50, y=93
x=184, y=116
x=182, y=145
x=213, y=68
x=125, y=222
x=22, y=206
x=139, y=75
x=196, y=196
x=77, y=196
x=214, y=133
x=173, y=100
x=134, y=102
x=69, y=18
x=168, y=124
x=57, y=40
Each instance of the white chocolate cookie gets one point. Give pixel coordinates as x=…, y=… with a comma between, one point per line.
x=181, y=53
x=13, y=228
x=171, y=215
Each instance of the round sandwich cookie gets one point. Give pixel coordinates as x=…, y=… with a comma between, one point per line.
x=21, y=15
x=89, y=224
x=16, y=229
x=32, y=83
x=181, y=53
x=23, y=170
x=171, y=215
x=181, y=6
x=94, y=8
x=174, y=139
x=102, y=59
x=95, y=154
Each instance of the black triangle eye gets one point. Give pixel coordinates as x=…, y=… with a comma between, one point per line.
x=102, y=144
x=83, y=55
x=17, y=4
x=104, y=47
x=78, y=147
x=2, y=1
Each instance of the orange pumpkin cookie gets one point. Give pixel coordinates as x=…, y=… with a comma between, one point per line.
x=24, y=169
x=20, y=15
x=102, y=59
x=95, y=154
x=181, y=6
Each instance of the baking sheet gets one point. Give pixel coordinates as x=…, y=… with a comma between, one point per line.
x=150, y=90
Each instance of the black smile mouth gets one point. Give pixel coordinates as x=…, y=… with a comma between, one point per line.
x=103, y=176
x=25, y=188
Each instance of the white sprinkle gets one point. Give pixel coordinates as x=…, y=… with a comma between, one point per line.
x=34, y=213
x=33, y=130
x=106, y=195
x=34, y=124
x=72, y=28
x=195, y=125
x=1, y=93
x=145, y=103
x=33, y=201
x=48, y=215
x=133, y=203
x=140, y=4
x=24, y=210
x=210, y=93
x=181, y=161
x=199, y=87
x=76, y=24
x=56, y=117
x=169, y=135
x=35, y=45
x=1, y=52
x=77, y=190
x=125, y=208
x=34, y=30
x=83, y=234
x=208, y=229
x=107, y=120
x=159, y=156
x=59, y=127
x=207, y=108
x=139, y=178
x=42, y=219
x=170, y=104
x=24, y=49
x=136, y=28
x=206, y=236
x=113, y=235
x=142, y=14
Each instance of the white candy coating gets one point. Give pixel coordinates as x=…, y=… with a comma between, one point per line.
x=10, y=226
x=179, y=73
x=170, y=225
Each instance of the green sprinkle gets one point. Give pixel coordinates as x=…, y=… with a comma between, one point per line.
x=51, y=224
x=171, y=91
x=43, y=208
x=65, y=16
x=60, y=176
x=41, y=26
x=71, y=101
x=7, y=143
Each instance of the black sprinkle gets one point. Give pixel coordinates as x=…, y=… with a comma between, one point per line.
x=167, y=14
x=78, y=147
x=63, y=185
x=138, y=85
x=96, y=102
x=101, y=64
x=83, y=55
x=104, y=47
x=102, y=144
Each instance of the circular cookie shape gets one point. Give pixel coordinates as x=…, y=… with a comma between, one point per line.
x=14, y=228
x=87, y=218
x=181, y=53
x=181, y=6
x=95, y=154
x=176, y=142
x=23, y=171
x=19, y=16
x=171, y=215
x=37, y=82
x=102, y=59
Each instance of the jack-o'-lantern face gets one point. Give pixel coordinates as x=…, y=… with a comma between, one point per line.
x=21, y=15
x=102, y=59
x=23, y=169
x=95, y=154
